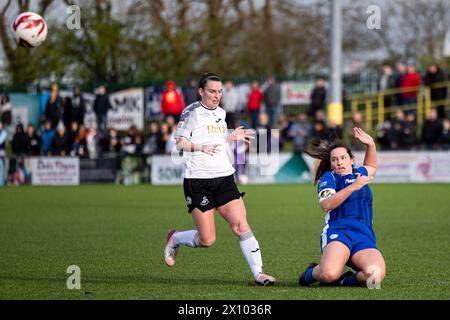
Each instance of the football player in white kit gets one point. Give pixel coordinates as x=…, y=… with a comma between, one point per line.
x=209, y=184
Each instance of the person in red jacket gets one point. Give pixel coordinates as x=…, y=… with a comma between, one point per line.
x=254, y=103
x=171, y=102
x=410, y=80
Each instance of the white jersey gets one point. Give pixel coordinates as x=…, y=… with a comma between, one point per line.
x=201, y=125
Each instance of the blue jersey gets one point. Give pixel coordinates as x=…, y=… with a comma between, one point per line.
x=358, y=206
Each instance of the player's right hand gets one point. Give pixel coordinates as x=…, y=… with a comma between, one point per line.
x=361, y=181
x=210, y=149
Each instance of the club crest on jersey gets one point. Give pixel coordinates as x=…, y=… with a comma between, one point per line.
x=204, y=202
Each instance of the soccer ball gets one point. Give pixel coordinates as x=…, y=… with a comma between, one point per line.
x=30, y=29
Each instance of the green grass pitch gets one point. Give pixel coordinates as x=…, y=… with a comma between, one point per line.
x=116, y=234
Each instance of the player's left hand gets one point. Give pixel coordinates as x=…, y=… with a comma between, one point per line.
x=241, y=134
x=362, y=136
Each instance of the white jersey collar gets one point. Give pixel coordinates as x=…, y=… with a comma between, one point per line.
x=207, y=107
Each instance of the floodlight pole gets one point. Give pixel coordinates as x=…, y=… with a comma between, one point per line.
x=335, y=107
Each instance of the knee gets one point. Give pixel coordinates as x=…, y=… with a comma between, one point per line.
x=240, y=229
x=207, y=242
x=374, y=274
x=330, y=275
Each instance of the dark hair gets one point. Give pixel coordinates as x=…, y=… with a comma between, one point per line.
x=206, y=77
x=322, y=152
x=5, y=98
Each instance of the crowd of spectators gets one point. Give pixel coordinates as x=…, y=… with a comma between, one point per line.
x=62, y=131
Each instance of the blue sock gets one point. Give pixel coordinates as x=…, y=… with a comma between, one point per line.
x=350, y=281
x=309, y=275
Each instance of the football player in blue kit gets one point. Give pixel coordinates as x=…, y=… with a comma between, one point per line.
x=348, y=237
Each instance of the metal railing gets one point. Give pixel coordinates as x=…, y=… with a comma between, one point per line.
x=375, y=111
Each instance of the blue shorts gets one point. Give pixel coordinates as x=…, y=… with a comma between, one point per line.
x=354, y=237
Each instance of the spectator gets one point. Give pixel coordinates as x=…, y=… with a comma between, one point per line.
x=320, y=116
x=92, y=143
x=171, y=124
x=318, y=98
x=432, y=131
x=171, y=145
x=151, y=144
x=19, y=142
x=72, y=137
x=3, y=140
x=285, y=126
x=401, y=72
x=434, y=75
x=55, y=107
x=75, y=108
x=319, y=132
x=387, y=82
x=355, y=122
x=171, y=101
x=60, y=144
x=101, y=107
x=33, y=141
x=129, y=141
x=80, y=144
x=334, y=131
x=5, y=110
x=191, y=93
x=45, y=96
x=410, y=132
x=272, y=101
x=163, y=137
x=263, y=134
x=114, y=145
x=254, y=103
x=230, y=103
x=397, y=130
x=47, y=137
x=409, y=84
x=301, y=132
x=444, y=139
x=383, y=134
x=139, y=145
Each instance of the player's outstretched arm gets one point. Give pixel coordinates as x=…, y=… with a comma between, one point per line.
x=184, y=144
x=370, y=160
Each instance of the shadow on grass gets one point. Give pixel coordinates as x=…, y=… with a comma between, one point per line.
x=153, y=280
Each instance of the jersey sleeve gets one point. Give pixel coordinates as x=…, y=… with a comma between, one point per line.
x=186, y=124
x=362, y=170
x=326, y=187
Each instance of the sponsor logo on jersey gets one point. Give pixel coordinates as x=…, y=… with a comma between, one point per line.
x=188, y=201
x=347, y=181
x=204, y=202
x=323, y=184
x=334, y=236
x=216, y=129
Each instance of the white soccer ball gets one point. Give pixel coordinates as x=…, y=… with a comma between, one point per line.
x=30, y=29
